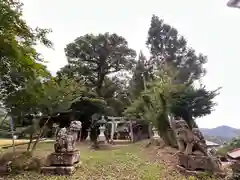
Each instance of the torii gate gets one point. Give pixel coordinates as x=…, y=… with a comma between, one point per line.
x=114, y=121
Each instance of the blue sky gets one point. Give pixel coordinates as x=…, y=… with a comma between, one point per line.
x=209, y=26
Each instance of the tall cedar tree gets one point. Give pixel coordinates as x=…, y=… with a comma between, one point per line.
x=168, y=47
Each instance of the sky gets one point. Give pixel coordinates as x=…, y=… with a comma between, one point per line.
x=210, y=27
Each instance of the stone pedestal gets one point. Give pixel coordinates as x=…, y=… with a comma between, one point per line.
x=63, y=163
x=58, y=170
x=5, y=169
x=236, y=169
x=199, y=163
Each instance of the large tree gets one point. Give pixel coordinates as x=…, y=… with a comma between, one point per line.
x=168, y=47
x=92, y=57
x=19, y=60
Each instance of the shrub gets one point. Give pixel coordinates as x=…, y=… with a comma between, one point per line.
x=20, y=161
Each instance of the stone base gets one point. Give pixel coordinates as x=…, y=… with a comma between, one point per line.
x=64, y=158
x=236, y=167
x=199, y=163
x=4, y=170
x=198, y=173
x=59, y=170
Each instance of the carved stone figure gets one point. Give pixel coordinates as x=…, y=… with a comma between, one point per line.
x=188, y=141
x=193, y=153
x=67, y=137
x=65, y=157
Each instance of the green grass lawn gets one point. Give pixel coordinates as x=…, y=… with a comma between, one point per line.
x=124, y=163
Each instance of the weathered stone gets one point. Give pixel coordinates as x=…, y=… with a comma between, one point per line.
x=58, y=170
x=4, y=169
x=199, y=174
x=193, y=155
x=68, y=158
x=199, y=163
x=236, y=167
x=187, y=140
x=65, y=158
x=67, y=137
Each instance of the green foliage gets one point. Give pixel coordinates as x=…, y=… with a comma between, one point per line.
x=19, y=61
x=141, y=74
x=191, y=103
x=44, y=98
x=233, y=144
x=162, y=86
x=154, y=103
x=115, y=93
x=91, y=58
x=168, y=47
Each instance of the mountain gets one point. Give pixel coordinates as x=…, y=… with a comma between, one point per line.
x=220, y=133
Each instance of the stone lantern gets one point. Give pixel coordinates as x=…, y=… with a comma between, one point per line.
x=155, y=133
x=101, y=137
x=88, y=136
x=102, y=128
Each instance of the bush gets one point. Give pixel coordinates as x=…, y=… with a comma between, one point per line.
x=20, y=161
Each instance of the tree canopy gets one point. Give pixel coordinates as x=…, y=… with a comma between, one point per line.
x=102, y=75
x=93, y=57
x=167, y=46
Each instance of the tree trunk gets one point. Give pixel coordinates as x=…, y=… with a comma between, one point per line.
x=5, y=117
x=30, y=142
x=40, y=135
x=99, y=84
x=93, y=137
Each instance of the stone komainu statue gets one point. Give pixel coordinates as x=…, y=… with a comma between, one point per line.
x=193, y=153
x=67, y=137
x=190, y=141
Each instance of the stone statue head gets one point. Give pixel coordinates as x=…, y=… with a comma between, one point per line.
x=180, y=126
x=75, y=126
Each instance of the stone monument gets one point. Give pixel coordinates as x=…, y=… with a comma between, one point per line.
x=65, y=158
x=193, y=155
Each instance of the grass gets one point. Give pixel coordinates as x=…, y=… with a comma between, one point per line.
x=6, y=142
x=124, y=163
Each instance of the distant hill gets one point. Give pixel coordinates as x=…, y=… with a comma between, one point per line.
x=220, y=134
